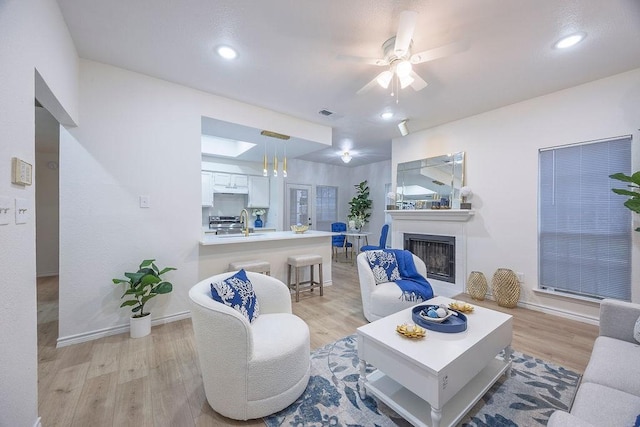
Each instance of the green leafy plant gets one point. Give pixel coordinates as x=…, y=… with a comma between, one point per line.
x=633, y=203
x=360, y=205
x=144, y=285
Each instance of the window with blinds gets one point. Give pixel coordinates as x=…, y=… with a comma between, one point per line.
x=326, y=207
x=584, y=229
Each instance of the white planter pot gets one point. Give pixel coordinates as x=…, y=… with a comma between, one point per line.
x=140, y=326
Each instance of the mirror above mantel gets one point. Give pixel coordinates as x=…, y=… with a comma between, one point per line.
x=421, y=182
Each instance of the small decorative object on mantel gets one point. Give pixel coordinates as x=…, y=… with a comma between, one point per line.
x=391, y=200
x=465, y=194
x=506, y=288
x=477, y=285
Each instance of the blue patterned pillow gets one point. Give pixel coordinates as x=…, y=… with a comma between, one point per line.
x=384, y=266
x=237, y=292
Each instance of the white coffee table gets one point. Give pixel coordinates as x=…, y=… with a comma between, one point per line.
x=436, y=380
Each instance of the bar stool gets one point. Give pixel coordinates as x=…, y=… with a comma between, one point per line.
x=298, y=262
x=257, y=266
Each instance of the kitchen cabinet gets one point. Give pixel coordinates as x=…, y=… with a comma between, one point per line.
x=230, y=180
x=207, y=188
x=258, y=192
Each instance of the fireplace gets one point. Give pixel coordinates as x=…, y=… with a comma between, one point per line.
x=437, y=252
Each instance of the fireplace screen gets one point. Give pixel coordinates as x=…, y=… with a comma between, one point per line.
x=437, y=252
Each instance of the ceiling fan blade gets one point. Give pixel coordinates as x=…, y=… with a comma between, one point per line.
x=369, y=85
x=406, y=26
x=363, y=60
x=418, y=83
x=439, y=52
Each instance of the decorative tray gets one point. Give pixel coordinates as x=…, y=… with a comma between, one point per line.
x=453, y=323
x=411, y=331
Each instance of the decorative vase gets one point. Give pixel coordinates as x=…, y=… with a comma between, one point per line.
x=140, y=326
x=477, y=285
x=505, y=287
x=258, y=222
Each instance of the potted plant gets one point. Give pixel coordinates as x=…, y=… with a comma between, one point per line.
x=140, y=287
x=633, y=203
x=360, y=206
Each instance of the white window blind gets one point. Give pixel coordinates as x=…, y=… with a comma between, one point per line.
x=584, y=230
x=326, y=207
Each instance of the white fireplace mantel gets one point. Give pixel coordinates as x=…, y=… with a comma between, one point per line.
x=461, y=215
x=444, y=222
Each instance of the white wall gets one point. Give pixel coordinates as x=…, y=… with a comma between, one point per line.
x=33, y=36
x=139, y=136
x=501, y=168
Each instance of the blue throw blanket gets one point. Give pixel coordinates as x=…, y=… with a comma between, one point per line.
x=414, y=287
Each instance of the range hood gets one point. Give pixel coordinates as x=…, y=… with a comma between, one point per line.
x=221, y=189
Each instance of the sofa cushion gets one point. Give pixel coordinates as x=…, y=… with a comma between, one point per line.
x=605, y=406
x=237, y=292
x=616, y=364
x=384, y=266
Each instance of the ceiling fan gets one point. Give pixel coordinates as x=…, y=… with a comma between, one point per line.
x=399, y=60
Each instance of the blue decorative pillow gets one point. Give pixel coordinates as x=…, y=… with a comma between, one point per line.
x=237, y=292
x=384, y=266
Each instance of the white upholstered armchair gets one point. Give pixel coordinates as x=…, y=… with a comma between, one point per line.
x=381, y=300
x=250, y=370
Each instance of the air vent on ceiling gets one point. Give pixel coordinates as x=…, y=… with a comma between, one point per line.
x=325, y=112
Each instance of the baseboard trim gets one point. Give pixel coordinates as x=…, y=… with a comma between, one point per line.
x=554, y=311
x=114, y=330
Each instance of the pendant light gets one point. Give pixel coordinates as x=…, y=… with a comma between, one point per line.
x=275, y=160
x=265, y=172
x=284, y=162
x=275, y=153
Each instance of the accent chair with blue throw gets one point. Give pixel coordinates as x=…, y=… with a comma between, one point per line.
x=391, y=280
x=338, y=242
x=383, y=240
x=253, y=352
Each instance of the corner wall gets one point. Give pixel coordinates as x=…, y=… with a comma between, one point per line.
x=502, y=168
x=34, y=37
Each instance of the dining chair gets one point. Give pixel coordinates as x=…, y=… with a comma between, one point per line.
x=383, y=240
x=339, y=241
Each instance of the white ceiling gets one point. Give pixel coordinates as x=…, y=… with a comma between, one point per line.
x=291, y=55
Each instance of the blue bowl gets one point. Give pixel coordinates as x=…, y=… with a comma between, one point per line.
x=452, y=325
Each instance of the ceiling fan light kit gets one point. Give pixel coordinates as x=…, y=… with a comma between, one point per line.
x=398, y=57
x=346, y=157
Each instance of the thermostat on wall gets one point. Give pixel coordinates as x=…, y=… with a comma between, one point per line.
x=20, y=172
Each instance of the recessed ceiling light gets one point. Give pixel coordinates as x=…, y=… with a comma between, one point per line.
x=386, y=115
x=570, y=40
x=227, y=52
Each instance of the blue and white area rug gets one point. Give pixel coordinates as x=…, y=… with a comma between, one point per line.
x=527, y=398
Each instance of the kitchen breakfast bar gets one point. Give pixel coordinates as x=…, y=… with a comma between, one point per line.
x=216, y=252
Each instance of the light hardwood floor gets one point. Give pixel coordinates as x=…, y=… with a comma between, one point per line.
x=155, y=380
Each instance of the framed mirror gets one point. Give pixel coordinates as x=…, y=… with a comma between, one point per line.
x=431, y=182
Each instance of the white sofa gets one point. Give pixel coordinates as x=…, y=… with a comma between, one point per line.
x=250, y=370
x=381, y=300
x=609, y=394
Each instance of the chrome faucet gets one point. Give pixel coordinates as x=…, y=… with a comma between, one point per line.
x=244, y=220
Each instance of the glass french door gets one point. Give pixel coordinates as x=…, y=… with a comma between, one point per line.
x=299, y=206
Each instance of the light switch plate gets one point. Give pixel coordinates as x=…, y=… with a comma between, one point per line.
x=22, y=211
x=5, y=210
x=145, y=202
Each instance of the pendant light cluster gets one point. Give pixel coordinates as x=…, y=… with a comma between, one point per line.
x=265, y=160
